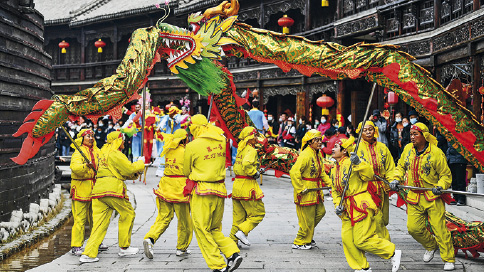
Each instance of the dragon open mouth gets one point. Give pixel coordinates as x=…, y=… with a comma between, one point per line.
x=177, y=47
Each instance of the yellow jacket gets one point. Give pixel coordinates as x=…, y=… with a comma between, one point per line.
x=114, y=169
x=428, y=170
x=378, y=156
x=357, y=198
x=83, y=177
x=307, y=173
x=204, y=163
x=172, y=183
x=246, y=165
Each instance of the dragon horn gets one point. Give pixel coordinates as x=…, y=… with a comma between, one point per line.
x=225, y=9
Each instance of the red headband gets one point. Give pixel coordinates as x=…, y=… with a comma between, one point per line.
x=87, y=132
x=414, y=127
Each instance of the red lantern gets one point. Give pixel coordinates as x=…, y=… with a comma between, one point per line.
x=392, y=98
x=325, y=102
x=285, y=22
x=99, y=44
x=64, y=45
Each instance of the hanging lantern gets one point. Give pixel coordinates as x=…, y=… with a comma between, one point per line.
x=64, y=45
x=392, y=98
x=325, y=102
x=324, y=3
x=285, y=22
x=99, y=44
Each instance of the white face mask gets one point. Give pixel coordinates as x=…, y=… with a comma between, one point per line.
x=413, y=120
x=269, y=118
x=280, y=119
x=323, y=121
x=405, y=124
x=110, y=126
x=316, y=122
x=398, y=119
x=300, y=121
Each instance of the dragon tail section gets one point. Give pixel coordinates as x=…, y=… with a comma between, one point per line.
x=31, y=145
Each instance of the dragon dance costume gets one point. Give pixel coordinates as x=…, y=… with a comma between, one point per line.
x=248, y=208
x=170, y=199
x=83, y=179
x=378, y=156
x=427, y=169
x=358, y=230
x=308, y=173
x=204, y=165
x=110, y=193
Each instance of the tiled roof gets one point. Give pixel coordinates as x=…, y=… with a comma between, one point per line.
x=58, y=11
x=78, y=12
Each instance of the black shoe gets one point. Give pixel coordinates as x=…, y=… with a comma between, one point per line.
x=233, y=262
x=461, y=203
x=452, y=203
x=220, y=270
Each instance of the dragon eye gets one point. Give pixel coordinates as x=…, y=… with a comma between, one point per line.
x=194, y=28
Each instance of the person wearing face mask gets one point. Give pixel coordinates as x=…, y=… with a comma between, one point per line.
x=381, y=123
x=324, y=125
x=300, y=131
x=273, y=128
x=282, y=127
x=412, y=117
x=396, y=136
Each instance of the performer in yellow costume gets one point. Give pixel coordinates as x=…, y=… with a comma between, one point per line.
x=248, y=208
x=83, y=179
x=170, y=198
x=204, y=165
x=110, y=193
x=358, y=230
x=308, y=173
x=425, y=165
x=378, y=156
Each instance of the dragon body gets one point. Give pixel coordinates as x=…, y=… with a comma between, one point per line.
x=193, y=55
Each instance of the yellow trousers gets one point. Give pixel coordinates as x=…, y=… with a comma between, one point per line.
x=207, y=214
x=82, y=214
x=435, y=212
x=247, y=214
x=362, y=238
x=102, y=208
x=309, y=217
x=166, y=212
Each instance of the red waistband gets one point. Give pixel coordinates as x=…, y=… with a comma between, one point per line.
x=312, y=179
x=217, y=181
x=243, y=177
x=175, y=176
x=418, y=191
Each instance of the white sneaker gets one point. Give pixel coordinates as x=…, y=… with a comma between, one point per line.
x=182, y=253
x=428, y=255
x=397, y=256
x=363, y=270
x=128, y=251
x=449, y=266
x=303, y=247
x=241, y=236
x=87, y=259
x=148, y=247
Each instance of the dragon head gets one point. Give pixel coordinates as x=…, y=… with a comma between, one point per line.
x=185, y=46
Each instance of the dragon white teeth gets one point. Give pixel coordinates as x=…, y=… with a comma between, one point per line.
x=187, y=46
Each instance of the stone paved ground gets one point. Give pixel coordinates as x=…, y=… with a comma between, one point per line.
x=271, y=240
